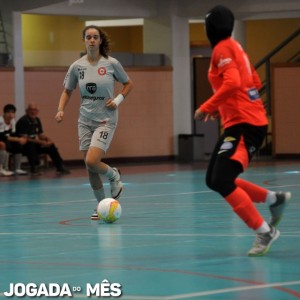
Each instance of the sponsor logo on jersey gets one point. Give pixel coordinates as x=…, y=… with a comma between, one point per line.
x=224, y=61
x=102, y=71
x=253, y=94
x=91, y=87
x=94, y=98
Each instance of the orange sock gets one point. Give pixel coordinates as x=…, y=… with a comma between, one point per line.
x=243, y=206
x=255, y=192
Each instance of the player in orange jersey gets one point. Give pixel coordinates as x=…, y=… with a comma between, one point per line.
x=237, y=102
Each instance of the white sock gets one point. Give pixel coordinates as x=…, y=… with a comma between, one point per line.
x=2, y=158
x=271, y=198
x=99, y=194
x=263, y=228
x=110, y=173
x=17, y=158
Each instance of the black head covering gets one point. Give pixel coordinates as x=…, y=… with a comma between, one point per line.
x=219, y=22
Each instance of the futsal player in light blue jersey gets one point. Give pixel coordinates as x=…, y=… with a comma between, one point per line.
x=95, y=73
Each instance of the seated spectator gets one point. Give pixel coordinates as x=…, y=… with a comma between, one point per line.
x=10, y=142
x=30, y=126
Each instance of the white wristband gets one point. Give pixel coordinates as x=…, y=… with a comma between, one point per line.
x=118, y=99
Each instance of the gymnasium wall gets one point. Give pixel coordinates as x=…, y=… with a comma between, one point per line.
x=285, y=104
x=145, y=127
x=146, y=122
x=56, y=40
x=262, y=36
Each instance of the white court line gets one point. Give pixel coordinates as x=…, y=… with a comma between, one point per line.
x=286, y=234
x=207, y=293
x=130, y=197
x=93, y=200
x=120, y=234
x=230, y=290
x=199, y=294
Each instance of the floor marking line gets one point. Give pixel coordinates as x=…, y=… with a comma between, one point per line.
x=199, y=294
x=293, y=234
x=230, y=290
x=93, y=200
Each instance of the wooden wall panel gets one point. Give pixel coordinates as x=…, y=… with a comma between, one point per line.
x=286, y=109
x=145, y=121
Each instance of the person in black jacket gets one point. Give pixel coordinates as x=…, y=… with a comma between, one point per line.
x=30, y=126
x=10, y=143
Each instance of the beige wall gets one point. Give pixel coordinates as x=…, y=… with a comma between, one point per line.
x=7, y=87
x=145, y=124
x=57, y=40
x=146, y=120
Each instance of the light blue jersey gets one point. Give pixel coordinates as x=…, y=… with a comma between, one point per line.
x=96, y=83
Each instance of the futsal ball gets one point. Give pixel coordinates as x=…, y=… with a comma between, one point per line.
x=109, y=210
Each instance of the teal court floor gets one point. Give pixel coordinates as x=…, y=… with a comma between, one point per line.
x=176, y=239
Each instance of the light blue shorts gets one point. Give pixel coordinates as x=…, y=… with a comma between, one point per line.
x=93, y=134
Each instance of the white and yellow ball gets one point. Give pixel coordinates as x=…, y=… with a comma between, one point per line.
x=109, y=210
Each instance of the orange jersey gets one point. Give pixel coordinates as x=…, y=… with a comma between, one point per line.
x=235, y=84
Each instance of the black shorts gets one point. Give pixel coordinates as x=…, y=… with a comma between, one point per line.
x=240, y=142
x=232, y=155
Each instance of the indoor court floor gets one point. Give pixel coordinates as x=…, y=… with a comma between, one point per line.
x=176, y=239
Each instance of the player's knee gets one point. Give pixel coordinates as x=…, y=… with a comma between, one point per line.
x=2, y=146
x=91, y=164
x=221, y=185
x=215, y=183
